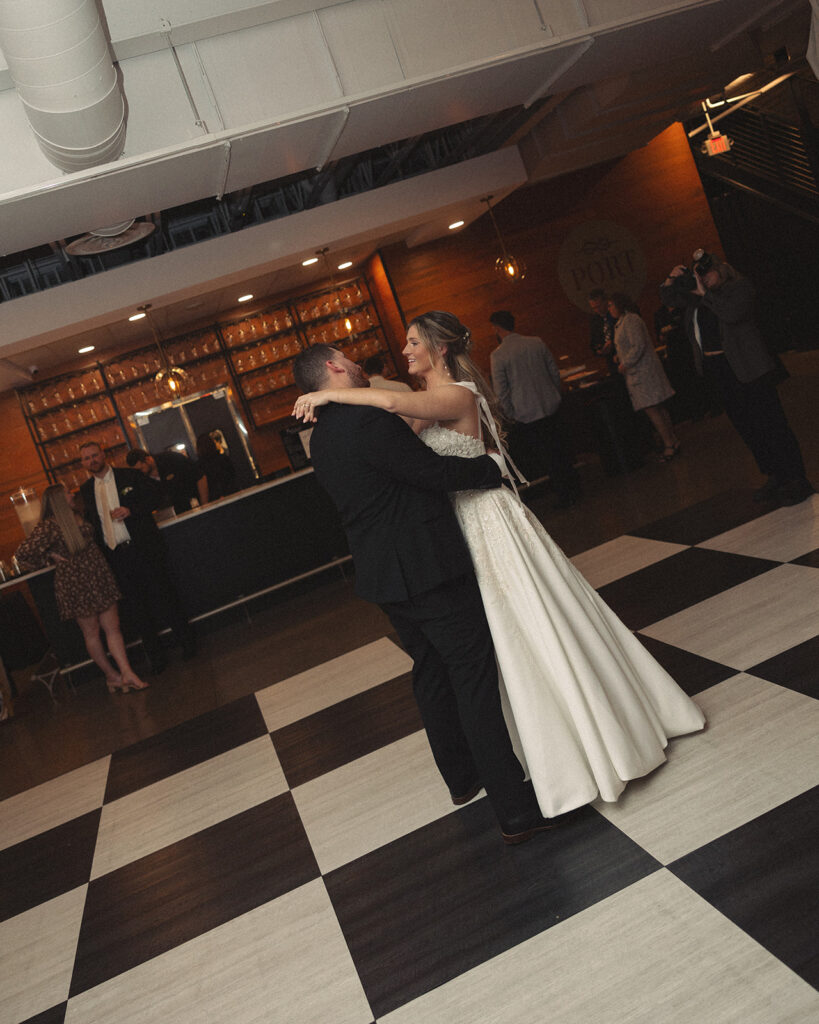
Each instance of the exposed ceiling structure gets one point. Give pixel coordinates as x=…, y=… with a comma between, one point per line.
x=220, y=96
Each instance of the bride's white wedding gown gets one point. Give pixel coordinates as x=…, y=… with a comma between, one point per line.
x=587, y=706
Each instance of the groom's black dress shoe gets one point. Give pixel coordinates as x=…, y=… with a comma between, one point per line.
x=470, y=794
x=517, y=834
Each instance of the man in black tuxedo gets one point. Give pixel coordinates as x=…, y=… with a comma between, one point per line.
x=411, y=559
x=119, y=504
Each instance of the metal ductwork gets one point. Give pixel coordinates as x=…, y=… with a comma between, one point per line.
x=61, y=66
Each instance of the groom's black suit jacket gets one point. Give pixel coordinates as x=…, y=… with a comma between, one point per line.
x=391, y=493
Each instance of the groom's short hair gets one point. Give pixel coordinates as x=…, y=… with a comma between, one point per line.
x=309, y=367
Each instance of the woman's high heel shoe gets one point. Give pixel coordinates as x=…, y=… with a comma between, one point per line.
x=671, y=453
x=126, y=685
x=134, y=683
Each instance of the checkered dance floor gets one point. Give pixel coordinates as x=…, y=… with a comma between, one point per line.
x=293, y=856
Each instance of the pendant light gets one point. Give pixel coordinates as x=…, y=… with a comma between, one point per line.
x=506, y=265
x=171, y=381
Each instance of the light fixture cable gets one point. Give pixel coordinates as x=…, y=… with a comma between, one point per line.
x=507, y=266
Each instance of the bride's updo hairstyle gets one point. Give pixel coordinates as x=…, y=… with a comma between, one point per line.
x=446, y=338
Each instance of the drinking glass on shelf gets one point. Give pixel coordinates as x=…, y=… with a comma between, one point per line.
x=251, y=359
x=194, y=352
x=264, y=356
x=288, y=320
x=83, y=388
x=240, y=365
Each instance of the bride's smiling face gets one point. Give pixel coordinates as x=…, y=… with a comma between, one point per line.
x=419, y=361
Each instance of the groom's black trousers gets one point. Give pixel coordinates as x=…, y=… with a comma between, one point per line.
x=455, y=680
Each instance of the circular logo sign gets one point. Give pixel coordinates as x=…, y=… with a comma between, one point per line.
x=601, y=254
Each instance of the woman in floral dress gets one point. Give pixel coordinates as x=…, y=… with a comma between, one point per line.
x=84, y=585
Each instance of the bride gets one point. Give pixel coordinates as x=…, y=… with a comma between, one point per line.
x=587, y=706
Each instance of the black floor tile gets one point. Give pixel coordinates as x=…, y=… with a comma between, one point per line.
x=797, y=668
x=347, y=730
x=56, y=1015
x=677, y=582
x=47, y=865
x=704, y=520
x=169, y=897
x=811, y=559
x=436, y=903
x=764, y=877
x=184, y=746
x=692, y=673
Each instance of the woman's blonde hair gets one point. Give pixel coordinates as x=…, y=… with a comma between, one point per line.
x=445, y=336
x=56, y=507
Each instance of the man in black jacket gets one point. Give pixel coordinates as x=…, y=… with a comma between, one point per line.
x=411, y=559
x=730, y=353
x=181, y=480
x=118, y=504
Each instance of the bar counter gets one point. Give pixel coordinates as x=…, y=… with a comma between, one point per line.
x=223, y=554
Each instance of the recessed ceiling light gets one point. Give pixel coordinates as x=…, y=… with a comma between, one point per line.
x=245, y=298
x=457, y=224
x=343, y=266
x=310, y=262
x=86, y=348
x=138, y=316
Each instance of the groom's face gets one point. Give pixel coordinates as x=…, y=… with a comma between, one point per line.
x=355, y=375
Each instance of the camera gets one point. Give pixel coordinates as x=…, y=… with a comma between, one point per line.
x=703, y=262
x=34, y=370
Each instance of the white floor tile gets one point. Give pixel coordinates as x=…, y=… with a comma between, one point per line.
x=761, y=748
x=53, y=803
x=327, y=684
x=655, y=952
x=283, y=963
x=749, y=623
x=782, y=535
x=621, y=557
x=186, y=803
x=37, y=956
x=369, y=802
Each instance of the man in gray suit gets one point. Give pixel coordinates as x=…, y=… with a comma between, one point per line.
x=527, y=383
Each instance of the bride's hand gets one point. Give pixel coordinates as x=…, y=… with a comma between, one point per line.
x=305, y=406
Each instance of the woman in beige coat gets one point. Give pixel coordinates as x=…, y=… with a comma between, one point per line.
x=640, y=365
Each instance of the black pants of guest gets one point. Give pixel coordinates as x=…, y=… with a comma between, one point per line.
x=151, y=598
x=541, y=448
x=455, y=681
x=756, y=412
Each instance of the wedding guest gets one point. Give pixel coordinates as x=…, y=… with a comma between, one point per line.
x=374, y=368
x=84, y=585
x=182, y=480
x=642, y=370
x=119, y=504
x=217, y=466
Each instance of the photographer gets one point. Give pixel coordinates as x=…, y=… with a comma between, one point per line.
x=730, y=353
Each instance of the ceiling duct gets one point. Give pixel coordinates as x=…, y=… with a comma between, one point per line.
x=61, y=66
x=105, y=239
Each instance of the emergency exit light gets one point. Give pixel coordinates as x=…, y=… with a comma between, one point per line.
x=716, y=144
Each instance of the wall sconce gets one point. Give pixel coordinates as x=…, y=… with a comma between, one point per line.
x=170, y=381
x=506, y=265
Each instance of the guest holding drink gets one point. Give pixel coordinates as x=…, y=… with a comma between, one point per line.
x=84, y=585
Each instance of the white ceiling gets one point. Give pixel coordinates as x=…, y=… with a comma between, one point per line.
x=253, y=91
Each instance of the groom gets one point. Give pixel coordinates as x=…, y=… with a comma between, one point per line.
x=411, y=559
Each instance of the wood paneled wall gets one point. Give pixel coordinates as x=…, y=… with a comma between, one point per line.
x=654, y=193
